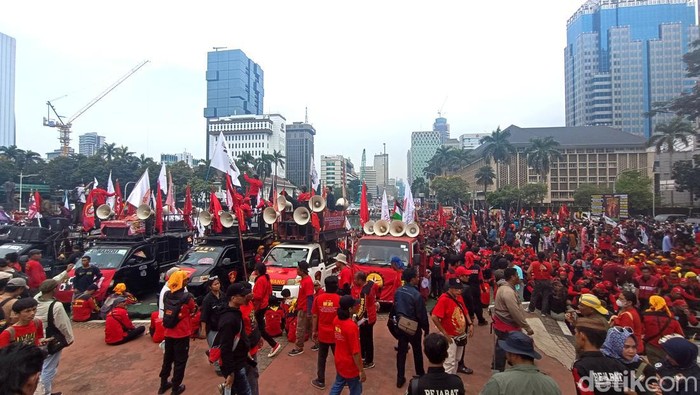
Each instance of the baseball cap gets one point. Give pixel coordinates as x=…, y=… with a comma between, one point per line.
x=237, y=289
x=593, y=302
x=520, y=344
x=34, y=251
x=347, y=301
x=461, y=271
x=454, y=283
x=48, y=286
x=17, y=282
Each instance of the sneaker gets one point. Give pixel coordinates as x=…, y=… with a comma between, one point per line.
x=295, y=352
x=368, y=365
x=164, y=388
x=275, y=350
x=314, y=347
x=318, y=384
x=465, y=370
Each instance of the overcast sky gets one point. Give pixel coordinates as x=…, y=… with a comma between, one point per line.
x=368, y=71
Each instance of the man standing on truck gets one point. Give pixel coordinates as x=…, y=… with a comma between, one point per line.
x=85, y=275
x=305, y=300
x=254, y=185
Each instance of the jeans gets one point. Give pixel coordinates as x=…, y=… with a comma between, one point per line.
x=303, y=327
x=499, y=354
x=260, y=319
x=454, y=355
x=321, y=363
x=415, y=342
x=367, y=342
x=252, y=375
x=354, y=384
x=176, y=353
x=542, y=292
x=48, y=371
x=240, y=384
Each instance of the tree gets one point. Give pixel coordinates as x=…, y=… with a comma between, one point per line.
x=686, y=174
x=123, y=153
x=108, y=151
x=245, y=159
x=12, y=153
x=443, y=159
x=450, y=190
x=533, y=193
x=582, y=195
x=498, y=147
x=506, y=197
x=667, y=134
x=638, y=189
x=277, y=160
x=541, y=153
x=485, y=177
x=419, y=186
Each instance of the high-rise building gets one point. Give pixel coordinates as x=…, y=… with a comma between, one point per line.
x=234, y=84
x=381, y=166
x=440, y=125
x=253, y=134
x=7, y=90
x=371, y=180
x=300, y=150
x=334, y=168
x=170, y=159
x=423, y=147
x=622, y=56
x=90, y=143
x=470, y=140
x=409, y=169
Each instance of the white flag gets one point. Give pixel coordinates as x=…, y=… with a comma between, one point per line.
x=141, y=193
x=65, y=202
x=94, y=182
x=314, y=175
x=221, y=160
x=409, y=206
x=385, y=207
x=110, y=189
x=163, y=179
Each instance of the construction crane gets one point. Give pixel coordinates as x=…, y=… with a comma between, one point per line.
x=64, y=128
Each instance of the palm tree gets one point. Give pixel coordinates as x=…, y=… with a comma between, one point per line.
x=263, y=165
x=108, y=151
x=277, y=160
x=11, y=153
x=485, y=176
x=541, y=153
x=31, y=157
x=122, y=153
x=419, y=186
x=245, y=159
x=498, y=148
x=443, y=159
x=462, y=158
x=665, y=136
x=144, y=161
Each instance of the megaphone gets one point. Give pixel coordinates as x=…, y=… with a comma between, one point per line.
x=104, y=212
x=270, y=215
x=302, y=216
x=397, y=228
x=368, y=228
x=205, y=218
x=381, y=227
x=317, y=203
x=281, y=203
x=412, y=230
x=288, y=207
x=226, y=219
x=342, y=202
x=166, y=210
x=144, y=211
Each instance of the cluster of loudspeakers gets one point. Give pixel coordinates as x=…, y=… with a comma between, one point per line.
x=301, y=215
x=227, y=219
x=394, y=228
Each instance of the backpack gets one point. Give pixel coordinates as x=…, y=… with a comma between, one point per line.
x=172, y=307
x=3, y=319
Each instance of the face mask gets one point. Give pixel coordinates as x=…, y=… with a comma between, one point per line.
x=620, y=303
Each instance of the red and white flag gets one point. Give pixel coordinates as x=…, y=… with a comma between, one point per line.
x=110, y=189
x=34, y=206
x=141, y=193
x=170, y=199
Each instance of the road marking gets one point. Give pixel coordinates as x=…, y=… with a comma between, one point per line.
x=564, y=329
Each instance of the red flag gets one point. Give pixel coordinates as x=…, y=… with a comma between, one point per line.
x=187, y=210
x=442, y=218
x=522, y=211
x=89, y=212
x=474, y=228
x=214, y=208
x=532, y=213
x=237, y=200
x=549, y=212
x=118, y=200
x=315, y=222
x=364, y=207
x=159, y=211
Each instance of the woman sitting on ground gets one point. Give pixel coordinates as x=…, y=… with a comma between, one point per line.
x=118, y=327
x=621, y=344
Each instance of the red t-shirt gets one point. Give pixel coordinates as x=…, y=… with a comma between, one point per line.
x=541, y=270
x=28, y=334
x=249, y=323
x=83, y=309
x=325, y=307
x=35, y=272
x=344, y=277
x=306, y=289
x=347, y=344
x=262, y=291
x=451, y=315
x=648, y=288
x=368, y=306
x=184, y=326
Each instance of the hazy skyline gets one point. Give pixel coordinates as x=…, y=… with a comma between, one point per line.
x=369, y=72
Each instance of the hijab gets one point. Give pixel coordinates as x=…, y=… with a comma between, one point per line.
x=615, y=343
x=657, y=303
x=177, y=280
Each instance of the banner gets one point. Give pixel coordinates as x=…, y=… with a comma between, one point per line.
x=613, y=206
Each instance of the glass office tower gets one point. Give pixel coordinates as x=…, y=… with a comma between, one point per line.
x=234, y=84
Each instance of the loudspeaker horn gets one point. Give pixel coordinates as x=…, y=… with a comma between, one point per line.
x=342, y=202
x=368, y=228
x=381, y=227
x=144, y=211
x=226, y=219
x=270, y=215
x=281, y=203
x=412, y=229
x=302, y=216
x=397, y=228
x=205, y=218
x=288, y=207
x=104, y=212
x=317, y=203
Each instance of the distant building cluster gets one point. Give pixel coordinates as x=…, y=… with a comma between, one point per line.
x=170, y=159
x=90, y=143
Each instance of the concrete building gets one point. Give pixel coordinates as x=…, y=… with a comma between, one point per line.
x=170, y=159
x=8, y=48
x=57, y=153
x=371, y=180
x=254, y=134
x=90, y=143
x=453, y=143
x=300, y=150
x=423, y=147
x=381, y=167
x=622, y=56
x=335, y=168
x=592, y=155
x=409, y=169
x=471, y=140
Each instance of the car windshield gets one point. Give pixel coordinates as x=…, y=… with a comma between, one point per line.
x=201, y=255
x=286, y=256
x=107, y=258
x=12, y=247
x=380, y=252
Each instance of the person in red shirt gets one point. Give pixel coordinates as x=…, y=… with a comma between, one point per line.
x=451, y=317
x=305, y=300
x=345, y=275
x=118, y=327
x=348, y=359
x=366, y=292
x=27, y=329
x=177, y=339
x=304, y=196
x=324, y=311
x=261, y=300
x=35, y=271
x=628, y=316
x=84, y=307
x=541, y=272
x=254, y=185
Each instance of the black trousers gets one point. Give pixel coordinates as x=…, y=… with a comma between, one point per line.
x=475, y=308
x=415, y=342
x=176, y=353
x=437, y=284
x=260, y=319
x=321, y=363
x=499, y=354
x=131, y=335
x=541, y=294
x=367, y=342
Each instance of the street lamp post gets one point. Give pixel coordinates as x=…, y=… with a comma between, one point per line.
x=22, y=176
